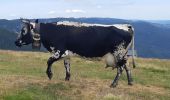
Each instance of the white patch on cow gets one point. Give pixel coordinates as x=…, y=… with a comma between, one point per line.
x=52, y=49
x=67, y=65
x=56, y=54
x=25, y=31
x=65, y=54
x=124, y=27
x=20, y=41
x=120, y=52
x=33, y=24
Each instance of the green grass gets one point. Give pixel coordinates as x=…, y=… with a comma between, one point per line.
x=36, y=92
x=23, y=77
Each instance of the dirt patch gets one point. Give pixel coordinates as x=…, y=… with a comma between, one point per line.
x=148, y=88
x=99, y=89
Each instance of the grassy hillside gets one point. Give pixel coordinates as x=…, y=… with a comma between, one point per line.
x=22, y=77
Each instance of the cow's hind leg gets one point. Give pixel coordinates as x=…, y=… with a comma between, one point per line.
x=115, y=81
x=129, y=77
x=67, y=68
x=56, y=56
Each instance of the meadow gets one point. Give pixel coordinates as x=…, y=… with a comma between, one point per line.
x=23, y=77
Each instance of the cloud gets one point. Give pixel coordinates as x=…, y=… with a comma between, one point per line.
x=13, y=15
x=75, y=11
x=123, y=2
x=51, y=12
x=99, y=6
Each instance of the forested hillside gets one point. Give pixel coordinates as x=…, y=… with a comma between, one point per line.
x=152, y=40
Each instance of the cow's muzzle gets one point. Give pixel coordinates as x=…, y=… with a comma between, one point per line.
x=18, y=43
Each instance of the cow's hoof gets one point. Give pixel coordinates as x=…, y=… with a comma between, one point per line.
x=67, y=78
x=130, y=83
x=113, y=85
x=49, y=74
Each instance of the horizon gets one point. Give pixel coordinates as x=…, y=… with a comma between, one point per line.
x=119, y=9
x=92, y=17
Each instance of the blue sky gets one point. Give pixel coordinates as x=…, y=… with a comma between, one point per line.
x=124, y=9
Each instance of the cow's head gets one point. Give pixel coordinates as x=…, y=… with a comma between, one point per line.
x=27, y=33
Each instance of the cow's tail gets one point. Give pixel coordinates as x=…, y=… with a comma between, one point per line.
x=133, y=46
x=133, y=52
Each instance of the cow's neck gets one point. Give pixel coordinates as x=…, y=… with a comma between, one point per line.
x=36, y=37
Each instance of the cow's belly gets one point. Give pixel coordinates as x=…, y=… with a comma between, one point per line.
x=91, y=51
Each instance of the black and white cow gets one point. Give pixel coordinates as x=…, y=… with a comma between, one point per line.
x=88, y=40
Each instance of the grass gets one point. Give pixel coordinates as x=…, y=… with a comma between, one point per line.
x=23, y=77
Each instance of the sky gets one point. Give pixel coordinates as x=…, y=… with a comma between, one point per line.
x=122, y=9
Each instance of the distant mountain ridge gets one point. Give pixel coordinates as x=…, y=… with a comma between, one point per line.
x=160, y=21
x=151, y=39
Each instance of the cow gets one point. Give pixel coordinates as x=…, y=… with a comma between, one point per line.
x=87, y=40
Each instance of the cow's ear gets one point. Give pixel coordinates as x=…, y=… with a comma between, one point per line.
x=36, y=21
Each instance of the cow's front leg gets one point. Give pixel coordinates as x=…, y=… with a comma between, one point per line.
x=129, y=77
x=115, y=81
x=56, y=56
x=67, y=68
